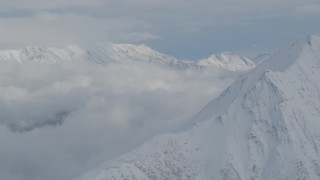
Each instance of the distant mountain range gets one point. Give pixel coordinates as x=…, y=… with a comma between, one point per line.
x=104, y=53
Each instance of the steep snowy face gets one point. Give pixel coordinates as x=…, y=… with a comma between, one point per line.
x=265, y=126
x=228, y=60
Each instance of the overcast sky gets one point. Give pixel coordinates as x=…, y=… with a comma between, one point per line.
x=187, y=29
x=58, y=121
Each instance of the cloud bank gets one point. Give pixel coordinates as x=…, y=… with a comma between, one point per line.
x=54, y=29
x=60, y=120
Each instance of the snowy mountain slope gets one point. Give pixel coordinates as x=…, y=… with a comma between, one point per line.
x=146, y=54
x=228, y=60
x=265, y=126
x=43, y=54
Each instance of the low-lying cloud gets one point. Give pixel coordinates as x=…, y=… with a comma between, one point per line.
x=59, y=120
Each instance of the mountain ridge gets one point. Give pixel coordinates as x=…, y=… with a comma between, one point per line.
x=228, y=60
x=264, y=126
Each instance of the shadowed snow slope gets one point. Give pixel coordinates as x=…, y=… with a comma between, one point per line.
x=228, y=60
x=265, y=126
x=262, y=57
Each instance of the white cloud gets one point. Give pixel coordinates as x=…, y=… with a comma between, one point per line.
x=309, y=9
x=7, y=6
x=51, y=29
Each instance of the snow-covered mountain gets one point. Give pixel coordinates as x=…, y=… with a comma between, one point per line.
x=104, y=53
x=43, y=54
x=101, y=53
x=228, y=60
x=264, y=126
x=122, y=52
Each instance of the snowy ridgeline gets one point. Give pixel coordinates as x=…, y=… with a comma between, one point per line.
x=264, y=126
x=103, y=53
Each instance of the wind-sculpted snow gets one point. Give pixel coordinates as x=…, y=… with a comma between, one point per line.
x=264, y=126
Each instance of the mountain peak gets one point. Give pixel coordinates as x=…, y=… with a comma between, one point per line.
x=304, y=54
x=228, y=60
x=133, y=50
x=313, y=39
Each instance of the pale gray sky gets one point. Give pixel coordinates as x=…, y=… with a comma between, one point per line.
x=107, y=110
x=184, y=28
